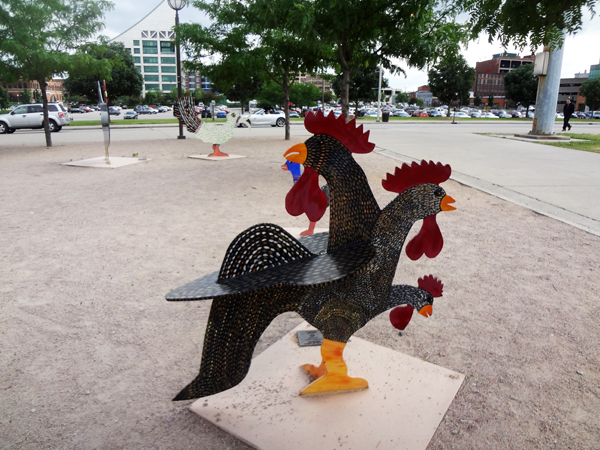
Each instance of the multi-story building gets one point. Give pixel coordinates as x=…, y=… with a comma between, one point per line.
x=489, y=79
x=150, y=43
x=54, y=89
x=316, y=80
x=594, y=71
x=569, y=89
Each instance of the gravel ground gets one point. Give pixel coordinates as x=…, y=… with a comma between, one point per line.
x=91, y=353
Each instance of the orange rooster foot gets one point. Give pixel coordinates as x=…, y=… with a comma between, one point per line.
x=333, y=383
x=311, y=229
x=332, y=375
x=315, y=371
x=217, y=151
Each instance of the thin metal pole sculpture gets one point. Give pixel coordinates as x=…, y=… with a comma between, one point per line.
x=105, y=118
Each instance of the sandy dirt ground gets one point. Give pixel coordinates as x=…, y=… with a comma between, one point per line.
x=91, y=353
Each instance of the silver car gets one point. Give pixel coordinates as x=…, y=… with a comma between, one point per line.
x=32, y=116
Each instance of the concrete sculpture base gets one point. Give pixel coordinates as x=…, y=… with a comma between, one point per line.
x=216, y=158
x=100, y=162
x=403, y=406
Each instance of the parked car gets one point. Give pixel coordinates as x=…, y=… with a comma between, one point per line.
x=112, y=111
x=221, y=115
x=86, y=109
x=130, y=115
x=76, y=111
x=476, y=114
x=260, y=117
x=504, y=115
x=422, y=114
x=460, y=115
x=560, y=115
x=32, y=116
x=490, y=115
x=516, y=115
x=294, y=115
x=143, y=109
x=435, y=113
x=162, y=109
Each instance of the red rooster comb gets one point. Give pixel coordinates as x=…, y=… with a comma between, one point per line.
x=407, y=176
x=347, y=133
x=432, y=285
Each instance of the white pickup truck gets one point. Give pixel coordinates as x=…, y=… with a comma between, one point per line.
x=32, y=116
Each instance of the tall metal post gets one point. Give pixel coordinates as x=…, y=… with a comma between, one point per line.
x=181, y=135
x=379, y=95
x=547, y=95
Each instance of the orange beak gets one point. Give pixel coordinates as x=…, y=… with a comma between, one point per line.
x=296, y=154
x=445, y=206
x=426, y=311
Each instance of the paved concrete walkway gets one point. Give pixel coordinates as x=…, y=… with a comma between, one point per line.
x=557, y=182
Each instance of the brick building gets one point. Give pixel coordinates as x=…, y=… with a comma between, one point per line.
x=489, y=77
x=54, y=89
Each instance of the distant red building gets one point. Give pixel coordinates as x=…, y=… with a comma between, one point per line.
x=489, y=79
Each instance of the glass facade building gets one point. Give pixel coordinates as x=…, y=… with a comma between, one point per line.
x=150, y=43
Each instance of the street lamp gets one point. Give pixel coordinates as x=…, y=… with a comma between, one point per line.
x=177, y=5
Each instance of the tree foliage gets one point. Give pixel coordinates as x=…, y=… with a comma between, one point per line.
x=366, y=33
x=402, y=97
x=124, y=79
x=521, y=85
x=251, y=37
x=526, y=22
x=4, y=99
x=477, y=101
x=416, y=101
x=37, y=38
x=25, y=96
x=363, y=86
x=491, y=100
x=451, y=79
x=590, y=89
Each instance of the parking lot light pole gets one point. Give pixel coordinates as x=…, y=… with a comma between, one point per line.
x=177, y=5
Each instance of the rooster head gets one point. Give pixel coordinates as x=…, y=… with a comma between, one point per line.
x=419, y=183
x=400, y=316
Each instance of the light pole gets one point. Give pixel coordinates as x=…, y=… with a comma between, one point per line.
x=177, y=5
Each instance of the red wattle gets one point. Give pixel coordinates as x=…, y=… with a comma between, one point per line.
x=307, y=197
x=429, y=241
x=400, y=316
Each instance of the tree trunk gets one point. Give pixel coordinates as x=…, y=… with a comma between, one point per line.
x=345, y=94
x=286, y=105
x=43, y=86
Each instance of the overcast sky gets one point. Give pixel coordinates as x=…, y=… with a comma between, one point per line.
x=581, y=50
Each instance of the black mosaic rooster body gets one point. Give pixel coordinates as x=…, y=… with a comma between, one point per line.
x=337, y=287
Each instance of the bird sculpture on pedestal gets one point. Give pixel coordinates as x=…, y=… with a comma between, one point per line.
x=337, y=281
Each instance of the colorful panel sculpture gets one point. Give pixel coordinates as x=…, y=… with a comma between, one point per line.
x=337, y=281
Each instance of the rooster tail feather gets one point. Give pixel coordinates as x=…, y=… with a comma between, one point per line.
x=184, y=110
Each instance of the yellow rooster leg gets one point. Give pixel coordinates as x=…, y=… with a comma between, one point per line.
x=217, y=151
x=333, y=372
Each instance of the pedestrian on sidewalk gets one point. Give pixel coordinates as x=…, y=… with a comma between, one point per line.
x=568, y=112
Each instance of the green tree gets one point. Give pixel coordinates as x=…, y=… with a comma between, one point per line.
x=477, y=102
x=402, y=97
x=521, y=86
x=251, y=36
x=37, y=39
x=526, y=22
x=363, y=85
x=416, y=101
x=590, y=89
x=491, y=100
x=37, y=96
x=25, y=96
x=151, y=97
x=367, y=33
x=327, y=96
x=451, y=79
x=124, y=78
x=4, y=99
x=305, y=94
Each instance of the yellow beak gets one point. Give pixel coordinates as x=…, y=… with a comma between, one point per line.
x=296, y=154
x=445, y=203
x=426, y=311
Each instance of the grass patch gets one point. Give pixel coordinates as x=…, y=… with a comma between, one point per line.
x=591, y=143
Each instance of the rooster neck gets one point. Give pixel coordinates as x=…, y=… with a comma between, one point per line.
x=353, y=208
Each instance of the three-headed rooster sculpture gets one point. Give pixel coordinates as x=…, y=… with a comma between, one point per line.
x=337, y=281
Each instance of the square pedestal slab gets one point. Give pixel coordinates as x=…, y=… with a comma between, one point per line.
x=403, y=406
x=100, y=162
x=216, y=158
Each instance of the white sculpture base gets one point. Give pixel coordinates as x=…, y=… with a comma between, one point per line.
x=100, y=162
x=403, y=406
x=216, y=158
